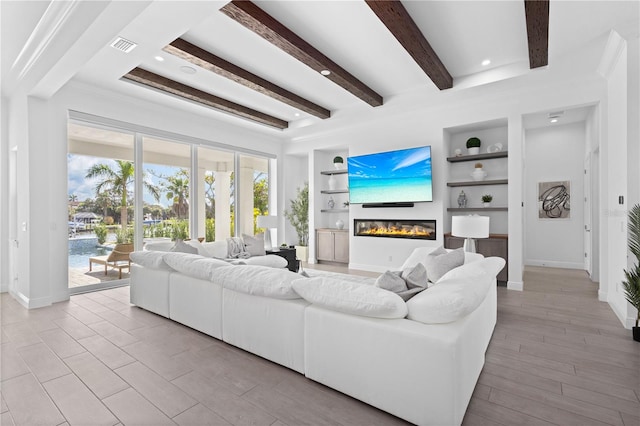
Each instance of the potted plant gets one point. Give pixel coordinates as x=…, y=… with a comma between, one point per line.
x=486, y=200
x=631, y=285
x=338, y=162
x=473, y=146
x=298, y=215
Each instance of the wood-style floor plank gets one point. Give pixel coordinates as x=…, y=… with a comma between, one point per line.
x=558, y=356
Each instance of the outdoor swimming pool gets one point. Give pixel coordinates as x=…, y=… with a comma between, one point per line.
x=81, y=249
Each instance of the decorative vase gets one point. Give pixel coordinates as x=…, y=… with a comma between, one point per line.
x=338, y=166
x=332, y=182
x=331, y=203
x=486, y=204
x=462, y=200
x=457, y=152
x=478, y=174
x=473, y=151
x=339, y=224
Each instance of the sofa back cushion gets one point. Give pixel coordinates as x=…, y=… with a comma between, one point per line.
x=159, y=246
x=193, y=265
x=258, y=280
x=217, y=249
x=150, y=259
x=458, y=293
x=351, y=297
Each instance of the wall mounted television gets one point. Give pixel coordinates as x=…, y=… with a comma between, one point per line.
x=391, y=178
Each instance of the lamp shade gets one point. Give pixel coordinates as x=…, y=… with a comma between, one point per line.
x=470, y=226
x=267, y=222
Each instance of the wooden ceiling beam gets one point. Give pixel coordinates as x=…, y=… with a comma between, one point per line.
x=398, y=21
x=167, y=85
x=207, y=60
x=263, y=24
x=537, y=15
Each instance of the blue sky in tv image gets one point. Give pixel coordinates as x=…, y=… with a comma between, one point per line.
x=393, y=176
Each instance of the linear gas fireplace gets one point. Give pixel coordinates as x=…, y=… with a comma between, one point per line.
x=412, y=229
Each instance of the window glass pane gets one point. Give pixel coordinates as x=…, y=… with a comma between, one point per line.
x=100, y=182
x=215, y=194
x=253, y=187
x=166, y=176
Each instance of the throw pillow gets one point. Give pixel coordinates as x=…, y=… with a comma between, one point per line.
x=182, y=247
x=391, y=281
x=439, y=262
x=415, y=276
x=254, y=244
x=202, y=251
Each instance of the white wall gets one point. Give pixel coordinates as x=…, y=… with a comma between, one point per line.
x=555, y=154
x=4, y=196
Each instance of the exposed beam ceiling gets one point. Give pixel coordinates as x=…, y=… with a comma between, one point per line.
x=537, y=14
x=173, y=87
x=263, y=24
x=396, y=18
x=200, y=57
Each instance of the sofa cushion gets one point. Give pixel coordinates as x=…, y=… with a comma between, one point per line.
x=415, y=276
x=254, y=244
x=456, y=294
x=150, y=259
x=193, y=265
x=201, y=250
x=351, y=297
x=419, y=255
x=270, y=260
x=258, y=280
x=392, y=281
x=159, y=246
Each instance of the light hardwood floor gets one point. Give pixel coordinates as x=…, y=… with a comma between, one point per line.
x=557, y=356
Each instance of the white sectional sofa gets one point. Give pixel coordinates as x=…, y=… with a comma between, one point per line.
x=418, y=360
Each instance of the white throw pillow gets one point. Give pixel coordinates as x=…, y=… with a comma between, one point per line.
x=254, y=244
x=193, y=265
x=351, y=297
x=454, y=296
x=217, y=249
x=419, y=255
x=182, y=247
x=150, y=259
x=258, y=280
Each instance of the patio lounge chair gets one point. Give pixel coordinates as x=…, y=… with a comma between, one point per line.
x=117, y=259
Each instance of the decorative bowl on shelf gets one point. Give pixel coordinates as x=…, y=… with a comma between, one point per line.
x=478, y=174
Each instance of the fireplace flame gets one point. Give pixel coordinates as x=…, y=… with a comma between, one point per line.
x=397, y=231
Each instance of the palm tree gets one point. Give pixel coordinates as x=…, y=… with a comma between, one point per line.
x=177, y=189
x=118, y=182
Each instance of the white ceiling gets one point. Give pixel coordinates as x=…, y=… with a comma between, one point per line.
x=72, y=44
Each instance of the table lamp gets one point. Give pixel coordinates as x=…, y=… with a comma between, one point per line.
x=267, y=222
x=470, y=227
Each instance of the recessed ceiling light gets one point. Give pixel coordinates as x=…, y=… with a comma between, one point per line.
x=297, y=114
x=554, y=120
x=325, y=72
x=486, y=62
x=158, y=58
x=188, y=70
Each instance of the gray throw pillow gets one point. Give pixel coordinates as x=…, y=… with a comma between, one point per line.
x=415, y=276
x=439, y=262
x=254, y=244
x=182, y=247
x=408, y=294
x=391, y=281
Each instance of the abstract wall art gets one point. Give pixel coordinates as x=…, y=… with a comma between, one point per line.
x=554, y=200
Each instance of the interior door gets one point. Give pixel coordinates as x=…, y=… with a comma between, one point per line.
x=587, y=216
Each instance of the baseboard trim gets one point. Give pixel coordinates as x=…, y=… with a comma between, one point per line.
x=515, y=285
x=31, y=303
x=602, y=296
x=371, y=268
x=554, y=264
x=626, y=321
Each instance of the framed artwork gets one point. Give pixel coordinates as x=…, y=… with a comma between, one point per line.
x=554, y=199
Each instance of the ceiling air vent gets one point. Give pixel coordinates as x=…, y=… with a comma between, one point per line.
x=556, y=114
x=123, y=45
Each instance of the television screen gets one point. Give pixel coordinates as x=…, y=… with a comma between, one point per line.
x=391, y=177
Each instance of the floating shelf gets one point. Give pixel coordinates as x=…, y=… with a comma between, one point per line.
x=334, y=191
x=334, y=210
x=334, y=172
x=469, y=209
x=479, y=182
x=487, y=156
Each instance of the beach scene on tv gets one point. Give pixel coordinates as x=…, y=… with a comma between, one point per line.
x=391, y=177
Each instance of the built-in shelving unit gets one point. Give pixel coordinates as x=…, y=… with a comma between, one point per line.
x=479, y=182
x=473, y=209
x=334, y=172
x=478, y=157
x=334, y=191
x=334, y=210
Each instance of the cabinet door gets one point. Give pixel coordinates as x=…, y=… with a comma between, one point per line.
x=497, y=247
x=341, y=247
x=324, y=248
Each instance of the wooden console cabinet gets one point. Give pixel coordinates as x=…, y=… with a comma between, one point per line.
x=496, y=245
x=332, y=245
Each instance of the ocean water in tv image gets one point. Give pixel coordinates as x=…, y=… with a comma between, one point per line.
x=394, y=176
